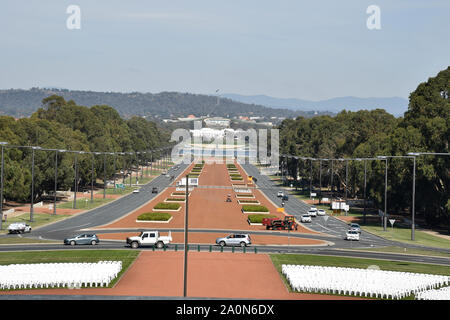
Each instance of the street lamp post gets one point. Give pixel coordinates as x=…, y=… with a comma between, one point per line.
x=75, y=184
x=32, y=182
x=186, y=238
x=56, y=178
x=320, y=180
x=104, y=176
x=1, y=185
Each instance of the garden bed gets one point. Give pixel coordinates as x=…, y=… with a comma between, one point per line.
x=159, y=217
x=246, y=196
x=257, y=209
x=248, y=201
x=175, y=200
x=162, y=206
x=256, y=219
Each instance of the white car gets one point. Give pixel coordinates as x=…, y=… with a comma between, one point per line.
x=312, y=213
x=280, y=194
x=352, y=235
x=321, y=212
x=313, y=209
x=19, y=227
x=305, y=218
x=136, y=191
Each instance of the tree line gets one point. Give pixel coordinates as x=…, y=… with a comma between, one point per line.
x=425, y=127
x=63, y=125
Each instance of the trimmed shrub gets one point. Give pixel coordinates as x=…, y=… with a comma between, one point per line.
x=167, y=206
x=257, y=218
x=176, y=199
x=249, y=201
x=178, y=193
x=239, y=195
x=155, y=216
x=254, y=208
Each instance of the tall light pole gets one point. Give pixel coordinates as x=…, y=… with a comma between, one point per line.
x=385, y=191
x=2, y=144
x=56, y=178
x=411, y=155
x=414, y=155
x=32, y=182
x=186, y=238
x=104, y=175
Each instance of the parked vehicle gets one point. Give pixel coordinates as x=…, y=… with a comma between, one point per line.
x=242, y=240
x=321, y=212
x=91, y=239
x=136, y=191
x=19, y=227
x=149, y=238
x=352, y=235
x=355, y=227
x=277, y=224
x=312, y=213
x=305, y=218
x=154, y=190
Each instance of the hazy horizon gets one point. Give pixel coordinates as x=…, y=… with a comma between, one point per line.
x=284, y=49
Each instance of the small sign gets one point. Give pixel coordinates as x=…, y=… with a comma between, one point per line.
x=392, y=222
x=313, y=194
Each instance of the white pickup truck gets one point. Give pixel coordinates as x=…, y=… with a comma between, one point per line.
x=149, y=238
x=19, y=227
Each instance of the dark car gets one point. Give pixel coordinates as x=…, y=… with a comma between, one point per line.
x=285, y=197
x=154, y=190
x=82, y=239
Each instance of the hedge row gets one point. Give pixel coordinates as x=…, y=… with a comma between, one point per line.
x=167, y=206
x=155, y=216
x=257, y=218
x=176, y=199
x=254, y=208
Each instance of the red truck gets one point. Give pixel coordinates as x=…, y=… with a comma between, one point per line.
x=278, y=224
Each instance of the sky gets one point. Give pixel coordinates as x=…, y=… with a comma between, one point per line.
x=311, y=50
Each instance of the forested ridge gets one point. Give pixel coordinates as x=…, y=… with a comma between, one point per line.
x=61, y=124
x=425, y=127
x=22, y=103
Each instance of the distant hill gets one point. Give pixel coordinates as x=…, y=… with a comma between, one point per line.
x=395, y=105
x=22, y=103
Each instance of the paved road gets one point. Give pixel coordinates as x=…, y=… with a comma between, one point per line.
x=324, y=224
x=107, y=213
x=332, y=225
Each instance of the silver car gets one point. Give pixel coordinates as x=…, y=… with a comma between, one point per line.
x=242, y=240
x=91, y=239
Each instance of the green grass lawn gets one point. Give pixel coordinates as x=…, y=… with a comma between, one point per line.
x=404, y=235
x=83, y=204
x=39, y=220
x=126, y=256
x=22, y=240
x=407, y=251
x=333, y=261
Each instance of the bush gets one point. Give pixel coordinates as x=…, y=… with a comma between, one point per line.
x=257, y=218
x=236, y=178
x=249, y=201
x=254, y=208
x=155, y=216
x=176, y=199
x=235, y=175
x=231, y=166
x=179, y=193
x=167, y=206
x=245, y=195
